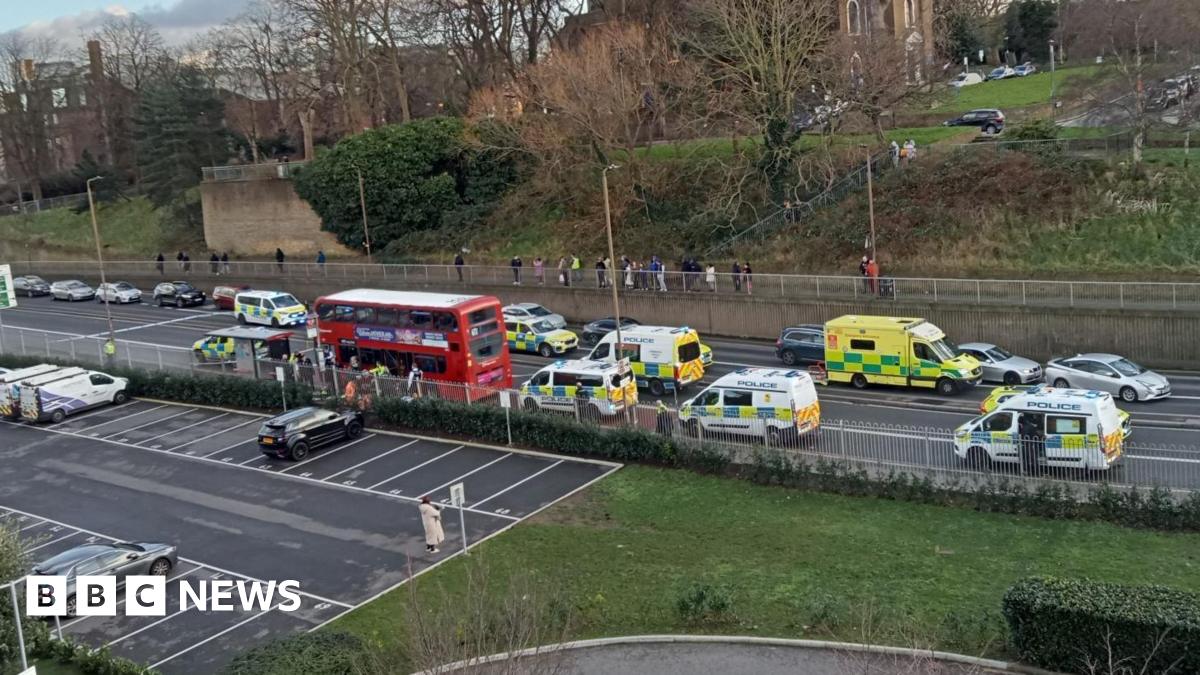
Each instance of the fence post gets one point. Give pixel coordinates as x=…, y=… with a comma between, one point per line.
x=1023, y=301
x=935, y=293
x=842, y=437
x=978, y=293
x=781, y=294
x=1071, y=290
x=46, y=337
x=158, y=350
x=73, y=356
x=21, y=336
x=928, y=442
x=1173, y=306
x=818, y=287
x=12, y=589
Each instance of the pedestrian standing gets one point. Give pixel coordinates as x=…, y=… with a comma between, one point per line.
x=179, y=259
x=279, y=258
x=663, y=422
x=736, y=273
x=225, y=262
x=158, y=263
x=628, y=267
x=214, y=264
x=516, y=265
x=539, y=271
x=643, y=276
x=564, y=272
x=873, y=276
x=187, y=262
x=431, y=520
x=321, y=259
x=748, y=278
x=862, y=272
x=710, y=275
x=458, y=264
x=600, y=272
x=576, y=269
x=894, y=150
x=912, y=149
x=662, y=275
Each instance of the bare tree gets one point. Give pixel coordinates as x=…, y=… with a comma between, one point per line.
x=133, y=49
x=867, y=74
x=340, y=27
x=388, y=23
x=25, y=106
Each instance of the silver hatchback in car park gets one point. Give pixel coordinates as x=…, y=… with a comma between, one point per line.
x=71, y=290
x=1108, y=372
x=999, y=365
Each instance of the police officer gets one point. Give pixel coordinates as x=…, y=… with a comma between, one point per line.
x=663, y=423
x=110, y=350
x=1030, y=437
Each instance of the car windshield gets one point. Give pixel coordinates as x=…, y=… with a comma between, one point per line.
x=999, y=354
x=941, y=350
x=75, y=284
x=541, y=327
x=538, y=310
x=123, y=286
x=35, y=280
x=184, y=287
x=285, y=300
x=1127, y=368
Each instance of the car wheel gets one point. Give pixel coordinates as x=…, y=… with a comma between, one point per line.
x=774, y=436
x=1011, y=378
x=989, y=130
x=545, y=350
x=159, y=300
x=242, y=319
x=274, y=322
x=789, y=357
x=71, y=605
x=657, y=387
x=859, y=381
x=946, y=387
x=299, y=451
x=977, y=458
x=178, y=303
x=120, y=397
x=1060, y=383
x=353, y=429
x=531, y=405
x=1129, y=394
x=160, y=567
x=58, y=416
x=200, y=357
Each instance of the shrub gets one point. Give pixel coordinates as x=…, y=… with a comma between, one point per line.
x=85, y=659
x=1077, y=625
x=320, y=653
x=704, y=603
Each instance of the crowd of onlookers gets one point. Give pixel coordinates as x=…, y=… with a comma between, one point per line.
x=631, y=274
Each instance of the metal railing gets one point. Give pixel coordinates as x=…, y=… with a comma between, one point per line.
x=275, y=170
x=879, y=450
x=38, y=205
x=975, y=292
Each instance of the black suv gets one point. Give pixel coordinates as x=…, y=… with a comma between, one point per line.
x=178, y=293
x=989, y=120
x=595, y=331
x=293, y=434
x=801, y=344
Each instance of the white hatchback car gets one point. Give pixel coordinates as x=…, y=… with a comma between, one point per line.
x=530, y=312
x=119, y=292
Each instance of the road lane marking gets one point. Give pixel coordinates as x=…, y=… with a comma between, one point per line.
x=104, y=334
x=379, y=456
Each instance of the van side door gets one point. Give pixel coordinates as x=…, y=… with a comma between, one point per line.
x=1066, y=440
x=740, y=413
x=99, y=389
x=1000, y=430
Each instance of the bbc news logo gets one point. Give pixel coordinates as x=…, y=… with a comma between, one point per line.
x=147, y=595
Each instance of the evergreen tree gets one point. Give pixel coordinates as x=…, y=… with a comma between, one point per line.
x=108, y=188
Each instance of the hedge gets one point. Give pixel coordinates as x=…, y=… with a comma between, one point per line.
x=85, y=659
x=1081, y=626
x=320, y=653
x=216, y=390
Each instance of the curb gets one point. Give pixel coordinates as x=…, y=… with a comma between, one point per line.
x=742, y=640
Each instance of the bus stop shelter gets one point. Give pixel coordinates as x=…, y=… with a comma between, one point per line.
x=248, y=340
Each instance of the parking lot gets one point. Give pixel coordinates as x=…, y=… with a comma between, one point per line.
x=343, y=522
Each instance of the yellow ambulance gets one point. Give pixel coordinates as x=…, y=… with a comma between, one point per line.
x=905, y=352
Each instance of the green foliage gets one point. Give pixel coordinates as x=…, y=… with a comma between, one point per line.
x=416, y=177
x=963, y=35
x=321, y=653
x=14, y=563
x=107, y=189
x=704, y=604
x=1040, y=129
x=1029, y=25
x=1078, y=625
x=83, y=658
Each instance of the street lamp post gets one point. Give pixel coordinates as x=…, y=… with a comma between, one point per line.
x=362, y=204
x=611, y=255
x=870, y=199
x=100, y=257
x=1053, y=104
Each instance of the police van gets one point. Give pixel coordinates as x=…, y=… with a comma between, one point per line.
x=9, y=398
x=662, y=358
x=779, y=404
x=1068, y=428
x=270, y=308
x=607, y=387
x=66, y=391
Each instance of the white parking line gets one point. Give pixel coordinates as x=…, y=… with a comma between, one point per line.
x=194, y=424
x=477, y=469
x=161, y=419
x=520, y=482
x=123, y=418
x=212, y=637
x=327, y=454
x=147, y=325
x=33, y=525
x=79, y=416
x=408, y=471
x=218, y=433
x=368, y=461
x=121, y=600
x=53, y=541
x=228, y=447
x=150, y=625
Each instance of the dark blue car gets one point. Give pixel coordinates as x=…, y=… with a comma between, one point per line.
x=801, y=344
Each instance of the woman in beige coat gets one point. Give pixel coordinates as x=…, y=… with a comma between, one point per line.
x=431, y=519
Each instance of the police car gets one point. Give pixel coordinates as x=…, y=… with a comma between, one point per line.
x=270, y=308
x=213, y=348
x=538, y=336
x=609, y=388
x=761, y=402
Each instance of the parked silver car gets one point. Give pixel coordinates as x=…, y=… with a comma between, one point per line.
x=120, y=559
x=531, y=311
x=1108, y=372
x=119, y=292
x=999, y=365
x=71, y=290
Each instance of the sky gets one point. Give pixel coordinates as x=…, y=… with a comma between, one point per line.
x=67, y=20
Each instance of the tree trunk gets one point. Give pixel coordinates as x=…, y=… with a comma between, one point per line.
x=401, y=89
x=1139, y=114
x=306, y=128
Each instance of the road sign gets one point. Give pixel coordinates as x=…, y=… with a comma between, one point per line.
x=310, y=325
x=8, y=297
x=458, y=495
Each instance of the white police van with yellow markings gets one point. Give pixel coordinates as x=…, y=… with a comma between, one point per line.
x=270, y=308
x=776, y=403
x=607, y=387
x=1070, y=428
x=663, y=358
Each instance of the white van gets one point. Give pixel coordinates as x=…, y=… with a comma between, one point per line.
x=55, y=395
x=270, y=308
x=607, y=387
x=1071, y=428
x=779, y=404
x=10, y=406
x=662, y=358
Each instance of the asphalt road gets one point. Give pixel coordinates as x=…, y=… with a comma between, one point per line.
x=344, y=522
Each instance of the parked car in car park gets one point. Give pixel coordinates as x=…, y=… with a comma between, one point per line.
x=1025, y=70
x=594, y=331
x=531, y=312
x=1002, y=73
x=178, y=293
x=223, y=296
x=966, y=80
x=988, y=120
x=294, y=434
x=71, y=290
x=119, y=559
x=1000, y=365
x=804, y=344
x=120, y=292
x=30, y=285
x=1109, y=373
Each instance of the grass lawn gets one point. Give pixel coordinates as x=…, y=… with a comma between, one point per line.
x=129, y=228
x=1015, y=92
x=796, y=564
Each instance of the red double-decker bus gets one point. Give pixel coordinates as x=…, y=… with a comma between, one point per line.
x=450, y=338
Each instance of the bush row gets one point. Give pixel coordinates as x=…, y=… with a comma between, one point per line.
x=85, y=659
x=217, y=390
x=320, y=653
x=1081, y=626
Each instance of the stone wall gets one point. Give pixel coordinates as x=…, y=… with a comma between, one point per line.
x=253, y=217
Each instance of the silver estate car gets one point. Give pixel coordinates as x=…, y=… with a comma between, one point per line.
x=531, y=312
x=1108, y=372
x=1000, y=365
x=120, y=559
x=71, y=290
